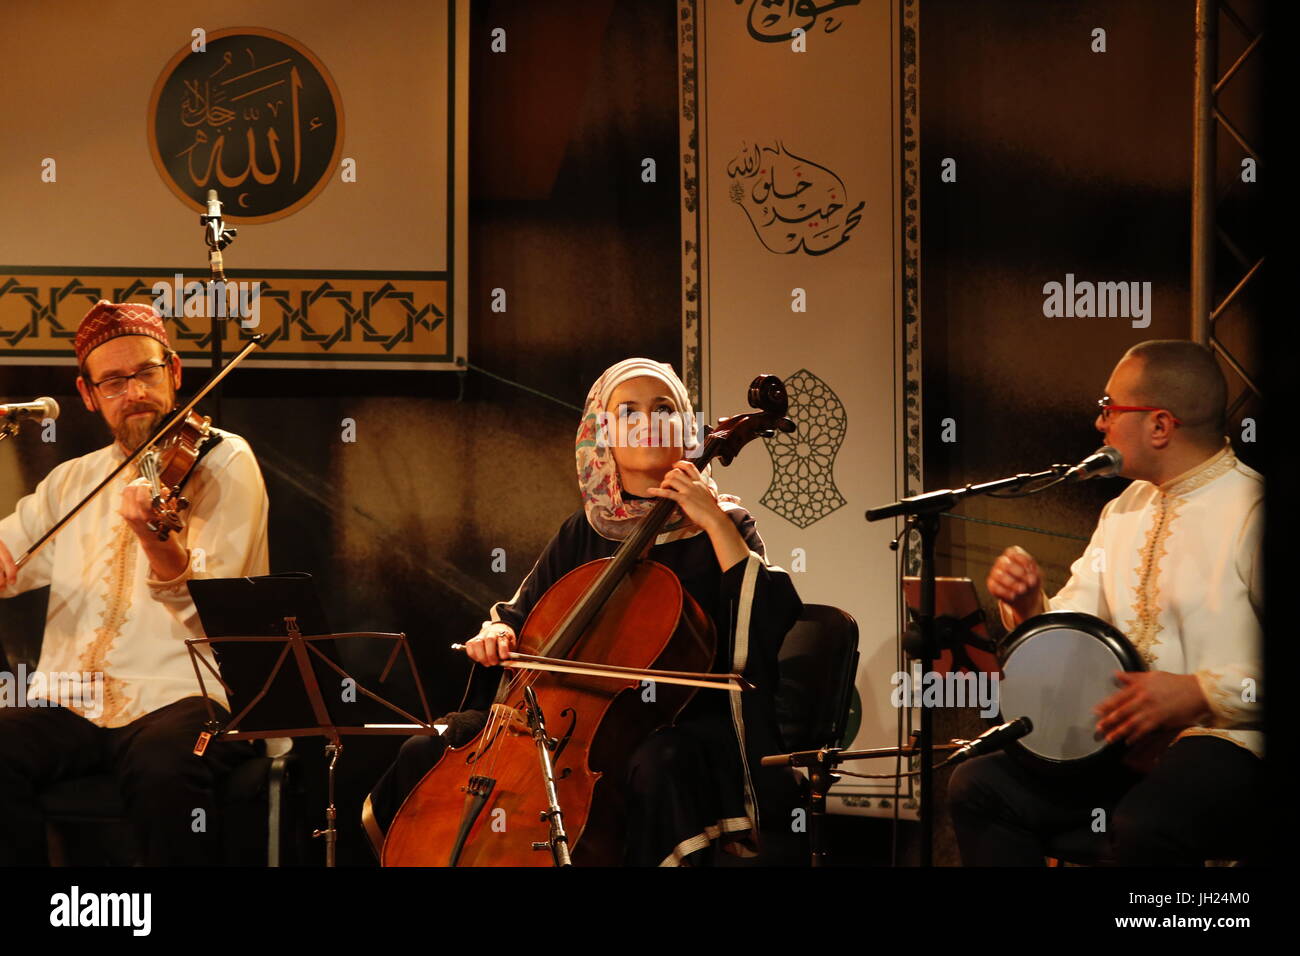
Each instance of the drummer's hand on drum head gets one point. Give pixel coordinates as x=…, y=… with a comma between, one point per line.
x=1015, y=580
x=1149, y=701
x=492, y=645
x=8, y=570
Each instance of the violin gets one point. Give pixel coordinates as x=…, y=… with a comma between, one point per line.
x=583, y=657
x=167, y=465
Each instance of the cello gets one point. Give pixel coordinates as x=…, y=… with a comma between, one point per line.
x=584, y=654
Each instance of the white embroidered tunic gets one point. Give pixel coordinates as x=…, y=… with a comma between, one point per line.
x=1177, y=568
x=108, y=619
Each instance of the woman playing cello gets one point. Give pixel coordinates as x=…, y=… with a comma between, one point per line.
x=698, y=783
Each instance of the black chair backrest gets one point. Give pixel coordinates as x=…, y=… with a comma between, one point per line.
x=819, y=664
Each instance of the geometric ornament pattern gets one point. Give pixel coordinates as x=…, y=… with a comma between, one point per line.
x=370, y=319
x=803, y=461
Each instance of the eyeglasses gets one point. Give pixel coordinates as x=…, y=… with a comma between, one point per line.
x=1108, y=407
x=151, y=376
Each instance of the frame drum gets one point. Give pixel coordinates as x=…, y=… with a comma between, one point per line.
x=1055, y=668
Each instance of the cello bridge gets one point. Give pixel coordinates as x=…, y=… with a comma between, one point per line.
x=479, y=786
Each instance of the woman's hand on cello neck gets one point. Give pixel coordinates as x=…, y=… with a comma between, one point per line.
x=492, y=645
x=684, y=485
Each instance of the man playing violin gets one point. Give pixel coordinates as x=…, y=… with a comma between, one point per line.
x=697, y=785
x=115, y=689
x=1174, y=564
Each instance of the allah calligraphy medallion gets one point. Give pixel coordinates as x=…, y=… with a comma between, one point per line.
x=255, y=116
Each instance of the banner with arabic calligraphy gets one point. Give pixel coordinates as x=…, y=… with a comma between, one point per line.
x=222, y=125
x=336, y=143
x=793, y=250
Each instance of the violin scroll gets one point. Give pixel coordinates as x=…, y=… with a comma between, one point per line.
x=167, y=516
x=167, y=465
x=166, y=502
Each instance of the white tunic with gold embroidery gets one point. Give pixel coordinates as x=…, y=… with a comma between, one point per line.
x=1177, y=568
x=108, y=619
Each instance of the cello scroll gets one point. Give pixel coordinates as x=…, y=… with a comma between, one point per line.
x=766, y=393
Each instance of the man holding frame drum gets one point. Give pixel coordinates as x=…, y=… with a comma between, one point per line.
x=1174, y=564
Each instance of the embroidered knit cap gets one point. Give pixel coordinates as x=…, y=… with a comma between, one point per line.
x=108, y=320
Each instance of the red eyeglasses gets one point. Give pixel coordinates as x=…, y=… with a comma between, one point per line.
x=1107, y=406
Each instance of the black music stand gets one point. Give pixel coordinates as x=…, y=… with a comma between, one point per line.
x=257, y=625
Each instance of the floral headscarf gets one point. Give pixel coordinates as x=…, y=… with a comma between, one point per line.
x=608, y=512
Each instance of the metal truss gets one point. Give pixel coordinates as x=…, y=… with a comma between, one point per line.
x=1205, y=199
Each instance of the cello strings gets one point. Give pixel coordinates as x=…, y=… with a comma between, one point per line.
x=495, y=722
x=516, y=686
x=521, y=680
x=498, y=715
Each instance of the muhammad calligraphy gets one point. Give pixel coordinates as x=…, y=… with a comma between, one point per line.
x=793, y=203
x=255, y=116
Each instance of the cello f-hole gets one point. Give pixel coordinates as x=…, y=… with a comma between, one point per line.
x=475, y=755
x=563, y=739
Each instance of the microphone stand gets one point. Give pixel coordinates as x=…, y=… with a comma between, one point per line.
x=217, y=237
x=821, y=765
x=558, y=840
x=922, y=512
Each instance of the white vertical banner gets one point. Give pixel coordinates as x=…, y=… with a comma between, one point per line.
x=337, y=143
x=792, y=229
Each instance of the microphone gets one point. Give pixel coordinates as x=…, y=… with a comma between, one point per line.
x=40, y=409
x=213, y=219
x=995, y=738
x=1102, y=463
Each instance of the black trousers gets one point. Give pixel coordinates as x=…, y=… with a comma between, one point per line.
x=1199, y=803
x=162, y=782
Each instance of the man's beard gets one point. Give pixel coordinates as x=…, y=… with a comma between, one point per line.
x=133, y=432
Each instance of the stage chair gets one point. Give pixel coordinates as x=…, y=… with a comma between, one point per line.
x=819, y=665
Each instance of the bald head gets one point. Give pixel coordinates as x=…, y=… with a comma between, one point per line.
x=1185, y=378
